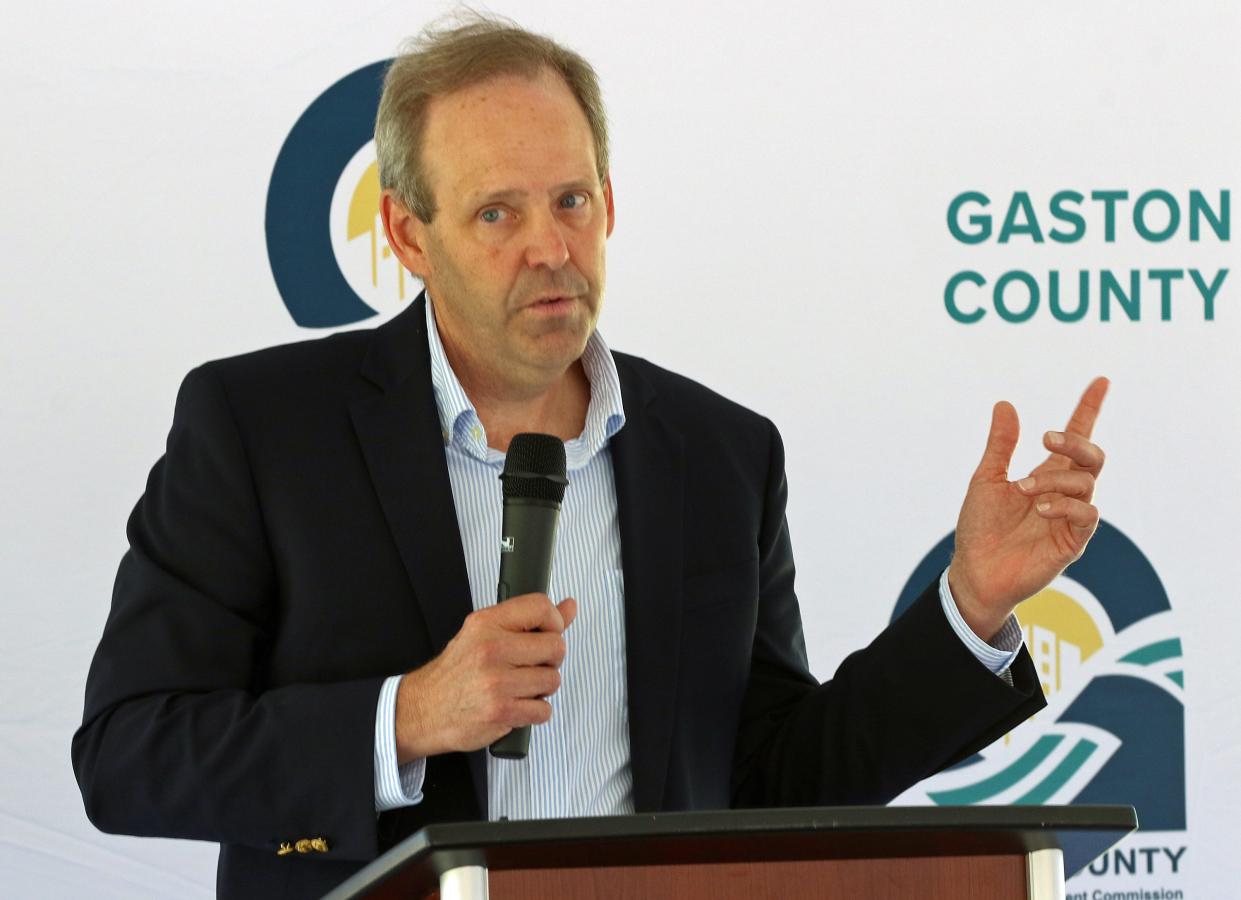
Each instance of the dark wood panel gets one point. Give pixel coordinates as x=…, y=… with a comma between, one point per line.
x=960, y=878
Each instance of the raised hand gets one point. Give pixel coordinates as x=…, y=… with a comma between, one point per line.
x=1014, y=537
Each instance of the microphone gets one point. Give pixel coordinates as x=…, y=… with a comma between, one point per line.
x=534, y=481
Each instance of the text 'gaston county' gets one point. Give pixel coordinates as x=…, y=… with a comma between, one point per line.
x=1069, y=217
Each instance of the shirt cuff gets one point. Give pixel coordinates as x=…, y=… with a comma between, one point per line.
x=997, y=655
x=395, y=786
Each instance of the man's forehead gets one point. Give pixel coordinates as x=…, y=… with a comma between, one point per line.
x=480, y=105
x=479, y=138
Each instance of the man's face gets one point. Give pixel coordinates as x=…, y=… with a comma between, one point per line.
x=514, y=256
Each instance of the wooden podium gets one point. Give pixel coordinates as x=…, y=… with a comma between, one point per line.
x=987, y=853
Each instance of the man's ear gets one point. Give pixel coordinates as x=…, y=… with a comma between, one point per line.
x=406, y=234
x=611, y=207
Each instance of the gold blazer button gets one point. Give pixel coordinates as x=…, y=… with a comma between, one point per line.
x=311, y=845
x=304, y=845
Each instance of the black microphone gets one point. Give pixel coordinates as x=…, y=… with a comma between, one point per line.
x=534, y=482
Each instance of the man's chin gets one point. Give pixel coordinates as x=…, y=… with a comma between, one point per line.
x=557, y=348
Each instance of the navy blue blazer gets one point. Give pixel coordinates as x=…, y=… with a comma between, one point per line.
x=298, y=543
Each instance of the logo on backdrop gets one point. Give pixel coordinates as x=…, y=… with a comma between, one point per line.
x=330, y=260
x=1103, y=641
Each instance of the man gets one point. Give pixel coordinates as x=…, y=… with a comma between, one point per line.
x=292, y=667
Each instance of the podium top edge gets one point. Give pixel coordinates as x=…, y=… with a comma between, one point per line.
x=785, y=819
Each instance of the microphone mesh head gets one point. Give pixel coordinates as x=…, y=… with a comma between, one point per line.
x=534, y=468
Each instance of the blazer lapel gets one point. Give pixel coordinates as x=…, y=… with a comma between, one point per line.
x=399, y=431
x=648, y=459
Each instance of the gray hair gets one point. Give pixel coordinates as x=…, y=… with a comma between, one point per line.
x=444, y=59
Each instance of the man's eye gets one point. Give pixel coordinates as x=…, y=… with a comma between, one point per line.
x=574, y=201
x=492, y=215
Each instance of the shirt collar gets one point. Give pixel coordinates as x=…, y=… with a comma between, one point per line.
x=461, y=427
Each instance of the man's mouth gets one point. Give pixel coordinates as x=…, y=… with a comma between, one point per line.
x=550, y=305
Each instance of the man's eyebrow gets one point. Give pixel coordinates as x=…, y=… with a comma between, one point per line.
x=512, y=195
x=577, y=184
x=501, y=196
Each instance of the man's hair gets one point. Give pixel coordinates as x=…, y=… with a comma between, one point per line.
x=444, y=59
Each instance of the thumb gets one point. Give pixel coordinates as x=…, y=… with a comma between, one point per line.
x=1001, y=442
x=568, y=610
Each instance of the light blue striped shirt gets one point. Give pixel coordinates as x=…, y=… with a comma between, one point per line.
x=578, y=763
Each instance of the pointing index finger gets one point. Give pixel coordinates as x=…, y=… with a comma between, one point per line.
x=1088, y=408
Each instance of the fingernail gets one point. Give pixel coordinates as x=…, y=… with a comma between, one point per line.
x=1026, y=484
x=1055, y=438
x=1043, y=507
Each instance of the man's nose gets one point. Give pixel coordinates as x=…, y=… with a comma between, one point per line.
x=546, y=245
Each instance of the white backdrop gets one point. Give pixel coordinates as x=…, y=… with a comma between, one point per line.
x=782, y=175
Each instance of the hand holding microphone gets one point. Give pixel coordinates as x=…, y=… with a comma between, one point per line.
x=490, y=683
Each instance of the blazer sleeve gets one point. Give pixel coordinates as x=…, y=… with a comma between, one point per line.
x=181, y=736
x=911, y=703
